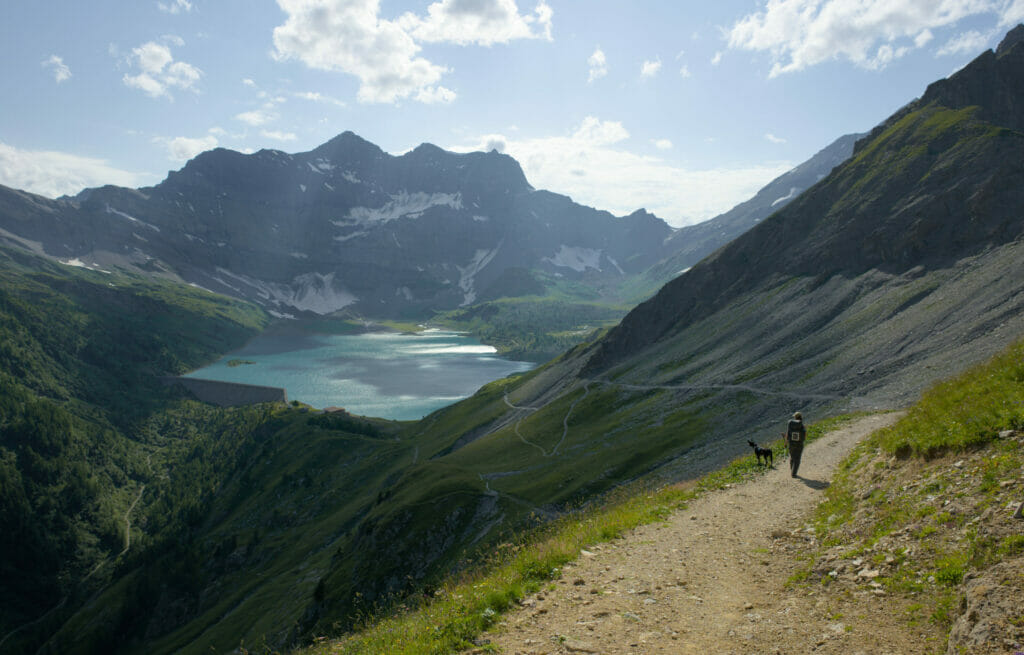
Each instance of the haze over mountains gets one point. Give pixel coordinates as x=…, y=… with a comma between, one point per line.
x=270, y=525
x=347, y=225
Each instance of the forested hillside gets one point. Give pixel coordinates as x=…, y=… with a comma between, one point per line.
x=86, y=426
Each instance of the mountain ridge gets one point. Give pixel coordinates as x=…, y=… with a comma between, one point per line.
x=908, y=238
x=346, y=224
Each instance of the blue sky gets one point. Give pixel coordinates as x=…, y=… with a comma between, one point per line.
x=685, y=108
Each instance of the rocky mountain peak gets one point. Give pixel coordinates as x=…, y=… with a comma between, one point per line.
x=348, y=148
x=1012, y=38
x=993, y=81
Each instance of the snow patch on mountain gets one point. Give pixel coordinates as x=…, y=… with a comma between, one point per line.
x=789, y=196
x=116, y=212
x=78, y=263
x=406, y=204
x=467, y=274
x=310, y=292
x=577, y=258
x=321, y=166
x=351, y=235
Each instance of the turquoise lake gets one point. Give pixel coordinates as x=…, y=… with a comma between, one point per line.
x=385, y=374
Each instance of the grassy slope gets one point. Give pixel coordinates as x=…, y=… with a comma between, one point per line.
x=272, y=530
x=926, y=502
x=962, y=416
x=465, y=605
x=85, y=425
x=859, y=340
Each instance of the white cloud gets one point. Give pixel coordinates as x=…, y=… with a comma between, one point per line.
x=684, y=71
x=717, y=59
x=54, y=174
x=60, y=70
x=175, y=7
x=257, y=117
x=279, y=136
x=662, y=144
x=972, y=42
x=595, y=132
x=158, y=72
x=598, y=65
x=650, y=67
x=593, y=166
x=249, y=83
x=434, y=95
x=494, y=142
x=483, y=22
x=774, y=139
x=869, y=33
x=183, y=148
x=1012, y=14
x=316, y=96
x=349, y=36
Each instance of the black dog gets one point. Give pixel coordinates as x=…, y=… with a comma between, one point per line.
x=760, y=452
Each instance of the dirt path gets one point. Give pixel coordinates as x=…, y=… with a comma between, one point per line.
x=565, y=422
x=99, y=565
x=128, y=522
x=712, y=579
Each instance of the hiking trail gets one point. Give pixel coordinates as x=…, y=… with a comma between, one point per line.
x=712, y=579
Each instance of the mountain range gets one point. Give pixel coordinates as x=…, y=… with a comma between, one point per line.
x=270, y=525
x=347, y=225
x=344, y=225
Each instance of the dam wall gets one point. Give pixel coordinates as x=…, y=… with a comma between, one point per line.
x=228, y=394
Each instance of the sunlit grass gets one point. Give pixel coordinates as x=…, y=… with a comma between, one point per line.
x=955, y=418
x=464, y=608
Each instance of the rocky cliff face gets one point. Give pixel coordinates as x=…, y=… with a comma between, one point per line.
x=344, y=224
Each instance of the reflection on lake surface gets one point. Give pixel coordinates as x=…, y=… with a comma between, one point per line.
x=391, y=375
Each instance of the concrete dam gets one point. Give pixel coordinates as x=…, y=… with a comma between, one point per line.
x=228, y=394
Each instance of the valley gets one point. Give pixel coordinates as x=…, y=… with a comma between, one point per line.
x=636, y=357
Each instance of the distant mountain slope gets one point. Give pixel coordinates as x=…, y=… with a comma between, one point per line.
x=345, y=224
x=692, y=243
x=930, y=187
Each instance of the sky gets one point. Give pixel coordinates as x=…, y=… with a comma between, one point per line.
x=682, y=107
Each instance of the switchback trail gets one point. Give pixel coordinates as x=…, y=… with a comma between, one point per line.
x=711, y=579
x=565, y=422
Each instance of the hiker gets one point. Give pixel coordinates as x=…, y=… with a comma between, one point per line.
x=795, y=436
